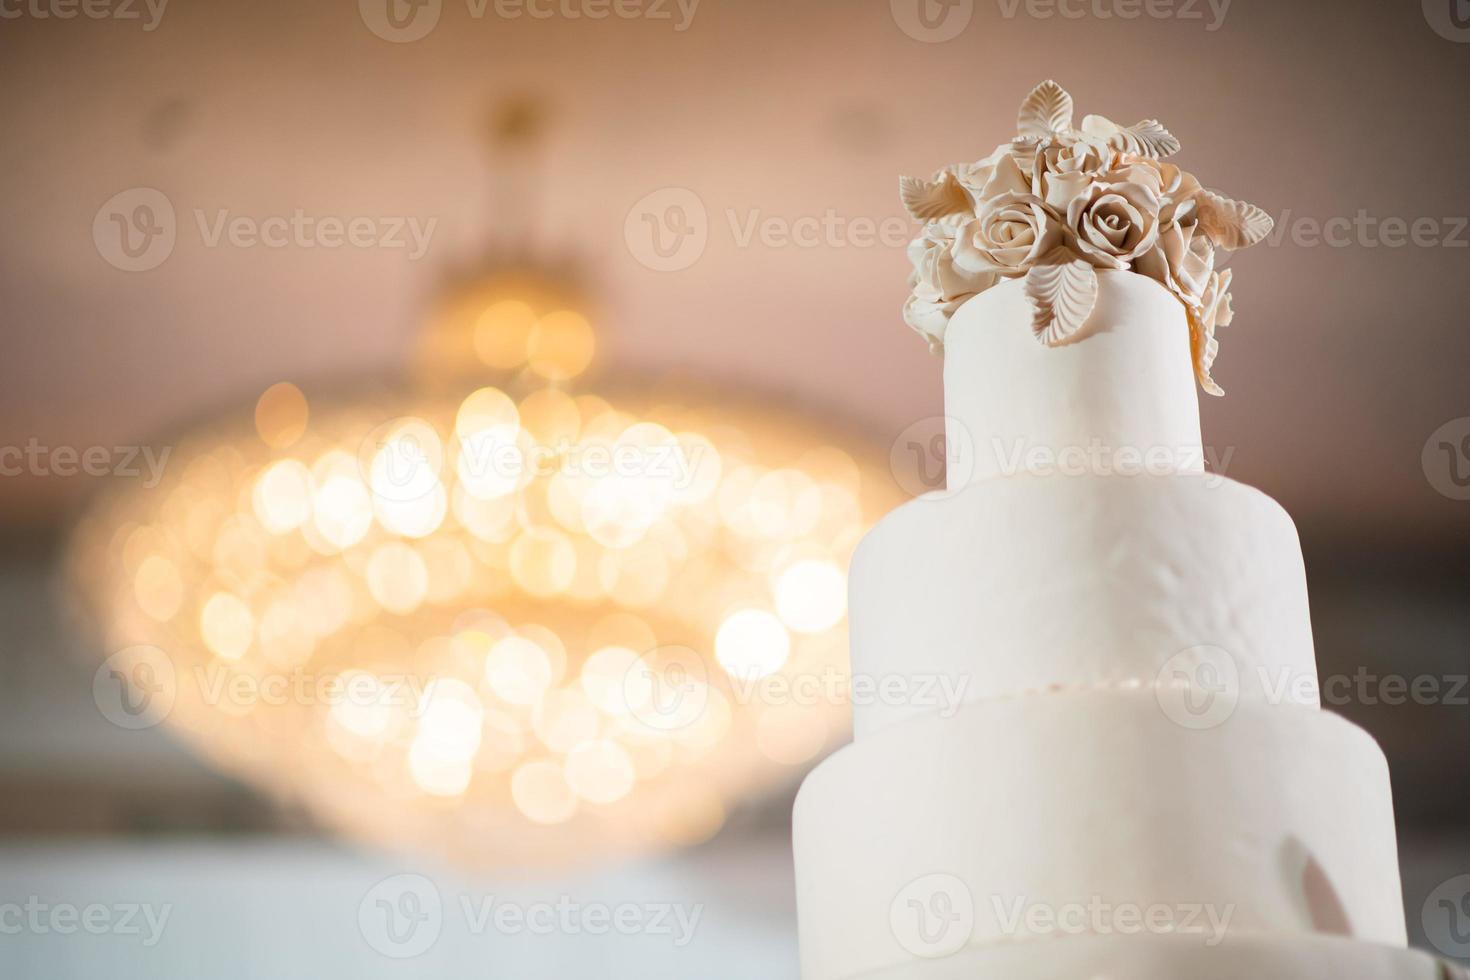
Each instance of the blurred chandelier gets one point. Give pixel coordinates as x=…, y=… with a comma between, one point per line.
x=516, y=623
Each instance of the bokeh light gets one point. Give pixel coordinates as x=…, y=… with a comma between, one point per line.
x=527, y=616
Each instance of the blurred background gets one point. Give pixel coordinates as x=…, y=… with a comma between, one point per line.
x=240, y=233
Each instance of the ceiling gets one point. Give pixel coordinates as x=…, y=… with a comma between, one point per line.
x=1341, y=362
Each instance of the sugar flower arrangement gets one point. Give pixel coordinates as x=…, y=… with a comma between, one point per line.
x=1055, y=205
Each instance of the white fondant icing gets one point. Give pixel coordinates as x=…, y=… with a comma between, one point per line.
x=1030, y=584
x=1119, y=396
x=1276, y=821
x=1179, y=958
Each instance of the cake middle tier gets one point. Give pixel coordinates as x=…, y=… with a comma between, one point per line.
x=1092, y=813
x=1034, y=583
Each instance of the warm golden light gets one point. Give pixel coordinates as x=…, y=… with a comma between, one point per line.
x=541, y=792
x=791, y=735
x=283, y=496
x=226, y=625
x=343, y=511
x=752, y=644
x=397, y=577
x=521, y=621
x=811, y=596
x=561, y=345
x=518, y=671
x=600, y=771
x=281, y=415
x=503, y=334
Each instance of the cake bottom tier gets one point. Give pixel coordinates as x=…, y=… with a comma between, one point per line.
x=1094, y=812
x=1178, y=958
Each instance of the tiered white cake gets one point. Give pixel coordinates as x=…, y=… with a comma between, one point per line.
x=1138, y=782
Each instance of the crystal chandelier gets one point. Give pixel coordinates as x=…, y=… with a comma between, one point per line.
x=517, y=624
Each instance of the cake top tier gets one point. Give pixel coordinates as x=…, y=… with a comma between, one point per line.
x=1055, y=205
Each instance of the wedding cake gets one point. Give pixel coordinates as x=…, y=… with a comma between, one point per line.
x=1096, y=748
